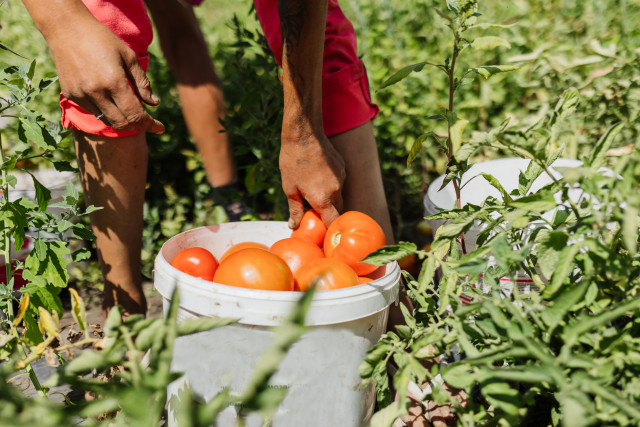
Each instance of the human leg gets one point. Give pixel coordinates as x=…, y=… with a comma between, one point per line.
x=200, y=90
x=113, y=174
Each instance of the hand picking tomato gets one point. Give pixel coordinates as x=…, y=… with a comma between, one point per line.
x=351, y=237
x=255, y=268
x=197, y=262
x=242, y=245
x=296, y=252
x=311, y=228
x=327, y=274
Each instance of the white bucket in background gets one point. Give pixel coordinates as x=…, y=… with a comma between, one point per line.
x=476, y=189
x=320, y=370
x=56, y=182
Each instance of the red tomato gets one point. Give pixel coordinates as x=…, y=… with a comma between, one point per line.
x=296, y=252
x=197, y=262
x=255, y=268
x=351, y=237
x=327, y=274
x=311, y=228
x=242, y=245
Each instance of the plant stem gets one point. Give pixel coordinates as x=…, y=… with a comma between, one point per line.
x=5, y=232
x=456, y=181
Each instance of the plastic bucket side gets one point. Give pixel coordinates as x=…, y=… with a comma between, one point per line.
x=320, y=371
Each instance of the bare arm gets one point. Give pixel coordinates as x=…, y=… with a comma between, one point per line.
x=311, y=168
x=94, y=66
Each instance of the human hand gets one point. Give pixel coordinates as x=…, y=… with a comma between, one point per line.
x=102, y=75
x=312, y=170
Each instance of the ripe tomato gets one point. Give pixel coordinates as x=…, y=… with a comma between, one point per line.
x=197, y=262
x=327, y=274
x=296, y=252
x=255, y=268
x=351, y=237
x=311, y=228
x=242, y=245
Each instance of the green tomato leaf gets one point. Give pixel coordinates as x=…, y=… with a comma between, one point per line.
x=403, y=73
x=456, y=132
x=201, y=324
x=630, y=225
x=564, y=267
x=599, y=152
x=458, y=225
x=417, y=145
x=489, y=42
x=549, y=244
x=50, y=263
x=390, y=253
x=487, y=71
x=30, y=130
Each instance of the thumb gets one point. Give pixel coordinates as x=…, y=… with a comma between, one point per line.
x=140, y=83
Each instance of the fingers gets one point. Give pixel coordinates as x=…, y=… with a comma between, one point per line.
x=130, y=115
x=328, y=211
x=140, y=82
x=296, y=210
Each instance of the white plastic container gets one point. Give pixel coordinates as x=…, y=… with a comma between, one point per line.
x=321, y=369
x=56, y=182
x=476, y=189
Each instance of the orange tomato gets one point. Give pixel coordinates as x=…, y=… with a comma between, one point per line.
x=364, y=279
x=311, y=228
x=296, y=252
x=197, y=262
x=255, y=268
x=327, y=274
x=242, y=245
x=351, y=237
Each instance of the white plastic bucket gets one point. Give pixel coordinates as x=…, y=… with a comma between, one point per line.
x=56, y=183
x=476, y=189
x=54, y=180
x=321, y=369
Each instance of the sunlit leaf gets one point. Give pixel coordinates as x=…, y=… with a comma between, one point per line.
x=489, y=42
x=487, y=71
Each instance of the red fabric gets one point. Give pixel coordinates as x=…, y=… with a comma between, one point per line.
x=346, y=100
x=345, y=90
x=128, y=20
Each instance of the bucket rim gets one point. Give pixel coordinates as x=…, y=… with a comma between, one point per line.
x=209, y=298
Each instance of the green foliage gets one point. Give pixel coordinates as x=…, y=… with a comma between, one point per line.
x=129, y=369
x=21, y=218
x=563, y=351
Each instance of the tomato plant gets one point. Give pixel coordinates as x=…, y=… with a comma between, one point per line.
x=296, y=253
x=351, y=237
x=197, y=262
x=327, y=274
x=311, y=228
x=242, y=245
x=255, y=268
